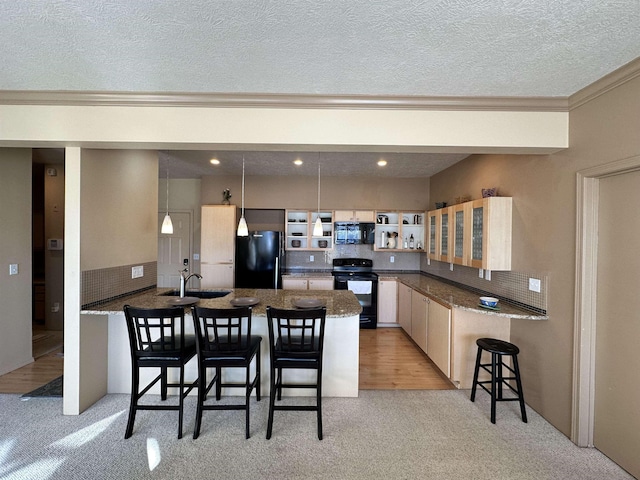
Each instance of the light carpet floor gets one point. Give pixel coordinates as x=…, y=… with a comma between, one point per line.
x=381, y=434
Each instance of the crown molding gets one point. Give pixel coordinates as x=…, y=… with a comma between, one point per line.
x=249, y=100
x=610, y=81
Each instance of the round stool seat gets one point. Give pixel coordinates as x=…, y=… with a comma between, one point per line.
x=499, y=347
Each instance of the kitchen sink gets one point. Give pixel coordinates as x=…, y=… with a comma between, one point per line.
x=198, y=293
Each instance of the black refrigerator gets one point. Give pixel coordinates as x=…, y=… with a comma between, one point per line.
x=259, y=260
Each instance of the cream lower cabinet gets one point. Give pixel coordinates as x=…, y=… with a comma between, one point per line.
x=439, y=336
x=306, y=283
x=419, y=319
x=388, y=301
x=431, y=329
x=320, y=283
x=404, y=307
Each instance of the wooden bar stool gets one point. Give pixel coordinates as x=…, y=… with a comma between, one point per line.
x=498, y=349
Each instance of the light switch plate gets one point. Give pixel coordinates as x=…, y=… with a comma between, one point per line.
x=392, y=259
x=13, y=269
x=137, y=272
x=534, y=285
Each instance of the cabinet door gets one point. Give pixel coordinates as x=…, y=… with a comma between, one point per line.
x=459, y=250
x=490, y=233
x=404, y=307
x=444, y=237
x=216, y=275
x=320, y=283
x=364, y=216
x=432, y=248
x=343, y=216
x=387, y=301
x=289, y=283
x=439, y=336
x=419, y=319
x=218, y=234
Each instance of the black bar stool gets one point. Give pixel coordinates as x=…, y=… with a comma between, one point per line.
x=498, y=349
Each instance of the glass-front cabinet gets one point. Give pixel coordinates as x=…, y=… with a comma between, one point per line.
x=299, y=230
x=459, y=250
x=475, y=234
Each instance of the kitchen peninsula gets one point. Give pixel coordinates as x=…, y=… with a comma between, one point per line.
x=108, y=370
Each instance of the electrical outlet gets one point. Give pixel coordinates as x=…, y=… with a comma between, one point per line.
x=534, y=285
x=137, y=272
x=55, y=308
x=392, y=259
x=487, y=275
x=451, y=267
x=480, y=273
x=13, y=269
x=311, y=258
x=196, y=256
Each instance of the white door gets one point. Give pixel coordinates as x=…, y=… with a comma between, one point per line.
x=617, y=389
x=173, y=249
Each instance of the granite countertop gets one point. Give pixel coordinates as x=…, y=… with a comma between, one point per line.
x=308, y=273
x=455, y=297
x=339, y=303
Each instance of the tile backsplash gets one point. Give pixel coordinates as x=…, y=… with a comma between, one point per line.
x=510, y=285
x=108, y=283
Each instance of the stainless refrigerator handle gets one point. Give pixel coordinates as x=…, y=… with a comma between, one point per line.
x=275, y=281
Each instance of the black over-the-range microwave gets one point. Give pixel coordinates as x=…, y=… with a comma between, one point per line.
x=354, y=232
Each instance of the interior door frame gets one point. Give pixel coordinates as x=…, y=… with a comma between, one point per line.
x=584, y=351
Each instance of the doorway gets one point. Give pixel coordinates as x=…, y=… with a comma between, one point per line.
x=174, y=249
x=607, y=326
x=48, y=200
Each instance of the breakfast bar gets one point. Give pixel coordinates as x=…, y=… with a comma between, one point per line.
x=110, y=371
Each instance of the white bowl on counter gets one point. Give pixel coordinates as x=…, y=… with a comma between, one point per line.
x=489, y=301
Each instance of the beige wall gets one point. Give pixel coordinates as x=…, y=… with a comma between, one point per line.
x=335, y=192
x=15, y=247
x=544, y=192
x=119, y=213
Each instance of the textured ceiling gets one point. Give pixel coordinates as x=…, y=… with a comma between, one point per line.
x=193, y=164
x=527, y=48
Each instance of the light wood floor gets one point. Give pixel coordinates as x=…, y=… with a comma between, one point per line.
x=389, y=360
x=34, y=375
x=48, y=364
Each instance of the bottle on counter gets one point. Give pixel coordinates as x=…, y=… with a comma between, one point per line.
x=406, y=245
x=383, y=239
x=411, y=241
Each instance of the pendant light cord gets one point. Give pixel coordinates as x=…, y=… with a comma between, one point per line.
x=242, y=213
x=318, y=188
x=167, y=187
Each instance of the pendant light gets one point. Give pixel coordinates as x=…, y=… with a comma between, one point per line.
x=167, y=225
x=317, y=227
x=243, y=231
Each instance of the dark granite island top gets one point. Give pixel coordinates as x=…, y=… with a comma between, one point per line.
x=339, y=303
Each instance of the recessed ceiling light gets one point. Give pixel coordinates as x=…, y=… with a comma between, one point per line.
x=382, y=163
x=297, y=162
x=214, y=161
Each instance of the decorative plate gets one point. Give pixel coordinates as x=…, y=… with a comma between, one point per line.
x=183, y=301
x=307, y=303
x=244, y=301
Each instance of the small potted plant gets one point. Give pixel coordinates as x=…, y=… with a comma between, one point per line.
x=226, y=196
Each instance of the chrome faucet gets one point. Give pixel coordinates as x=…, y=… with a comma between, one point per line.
x=184, y=278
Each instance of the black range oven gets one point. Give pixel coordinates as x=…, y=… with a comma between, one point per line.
x=356, y=274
